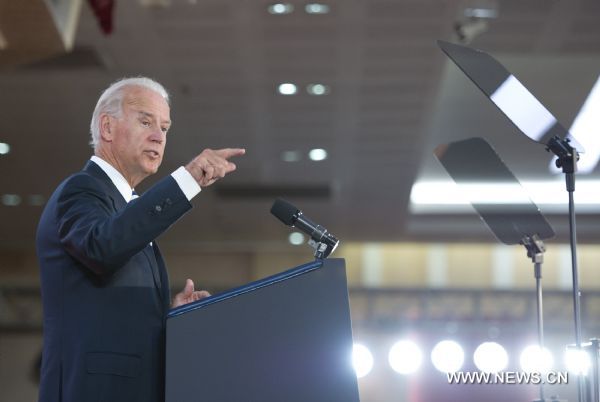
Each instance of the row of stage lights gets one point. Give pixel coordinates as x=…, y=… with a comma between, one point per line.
x=405, y=357
x=288, y=8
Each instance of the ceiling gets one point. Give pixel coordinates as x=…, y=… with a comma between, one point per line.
x=393, y=97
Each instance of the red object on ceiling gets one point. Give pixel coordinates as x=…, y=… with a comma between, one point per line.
x=103, y=9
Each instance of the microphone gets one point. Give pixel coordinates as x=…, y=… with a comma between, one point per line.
x=323, y=241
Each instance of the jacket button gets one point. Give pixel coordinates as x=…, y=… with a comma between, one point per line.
x=168, y=201
x=158, y=208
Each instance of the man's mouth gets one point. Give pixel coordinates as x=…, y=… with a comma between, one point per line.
x=152, y=154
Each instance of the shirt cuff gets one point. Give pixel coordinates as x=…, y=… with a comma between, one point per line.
x=186, y=182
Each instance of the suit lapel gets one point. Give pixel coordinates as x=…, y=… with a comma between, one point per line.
x=111, y=190
x=157, y=269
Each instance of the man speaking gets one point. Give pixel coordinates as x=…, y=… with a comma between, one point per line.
x=105, y=289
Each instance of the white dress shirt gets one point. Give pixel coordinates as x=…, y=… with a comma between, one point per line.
x=184, y=179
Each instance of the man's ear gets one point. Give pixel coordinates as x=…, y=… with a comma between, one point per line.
x=107, y=127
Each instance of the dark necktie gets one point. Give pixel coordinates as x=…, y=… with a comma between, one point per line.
x=150, y=250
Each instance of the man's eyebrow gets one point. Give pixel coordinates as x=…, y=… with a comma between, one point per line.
x=150, y=115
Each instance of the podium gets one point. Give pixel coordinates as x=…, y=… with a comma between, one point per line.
x=285, y=338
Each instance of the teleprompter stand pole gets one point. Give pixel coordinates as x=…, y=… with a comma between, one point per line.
x=594, y=350
x=535, y=250
x=567, y=161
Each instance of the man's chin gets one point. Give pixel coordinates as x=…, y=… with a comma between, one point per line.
x=152, y=168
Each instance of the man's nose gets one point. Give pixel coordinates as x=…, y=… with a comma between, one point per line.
x=158, y=136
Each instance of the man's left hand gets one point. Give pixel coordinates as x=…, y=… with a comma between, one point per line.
x=188, y=295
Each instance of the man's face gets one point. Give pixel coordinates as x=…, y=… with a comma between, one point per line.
x=141, y=133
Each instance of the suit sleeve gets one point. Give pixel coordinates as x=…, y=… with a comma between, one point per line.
x=104, y=240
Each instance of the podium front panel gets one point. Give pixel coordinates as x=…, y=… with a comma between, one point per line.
x=285, y=339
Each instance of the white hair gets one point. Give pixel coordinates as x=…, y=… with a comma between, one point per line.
x=111, y=101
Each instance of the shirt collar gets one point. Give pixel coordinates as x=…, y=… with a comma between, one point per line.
x=116, y=177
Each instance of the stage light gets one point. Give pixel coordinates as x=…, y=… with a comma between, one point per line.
x=577, y=361
x=447, y=356
x=317, y=89
x=405, y=357
x=287, y=88
x=362, y=360
x=487, y=13
x=290, y=156
x=316, y=8
x=490, y=357
x=424, y=196
x=280, y=8
x=36, y=200
x=536, y=360
x=296, y=238
x=317, y=154
x=11, y=200
x=4, y=148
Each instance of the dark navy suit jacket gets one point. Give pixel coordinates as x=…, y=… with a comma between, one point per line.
x=105, y=290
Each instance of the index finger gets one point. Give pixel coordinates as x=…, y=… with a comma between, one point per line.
x=230, y=152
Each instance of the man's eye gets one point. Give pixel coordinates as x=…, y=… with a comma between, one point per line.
x=146, y=123
x=165, y=129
